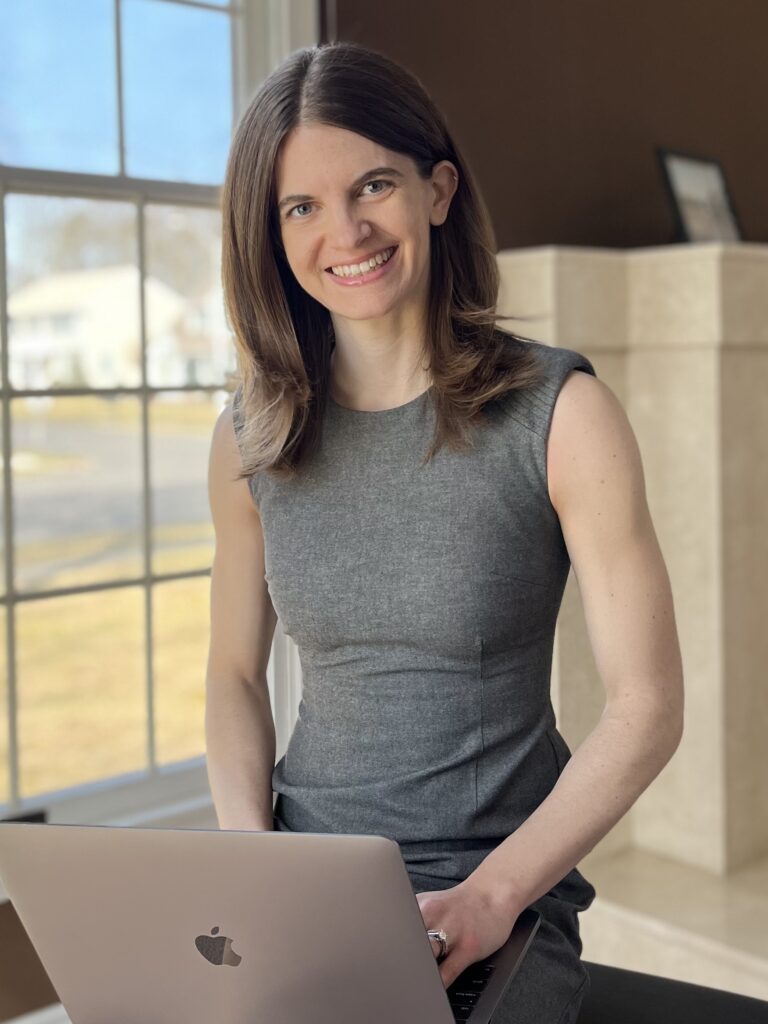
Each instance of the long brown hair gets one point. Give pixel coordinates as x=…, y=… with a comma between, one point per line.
x=284, y=337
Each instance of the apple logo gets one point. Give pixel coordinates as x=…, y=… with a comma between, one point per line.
x=219, y=950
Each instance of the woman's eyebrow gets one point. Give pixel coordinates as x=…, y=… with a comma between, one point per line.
x=358, y=181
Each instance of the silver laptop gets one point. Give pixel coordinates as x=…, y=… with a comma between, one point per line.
x=158, y=926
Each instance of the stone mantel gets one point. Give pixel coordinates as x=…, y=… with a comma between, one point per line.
x=686, y=296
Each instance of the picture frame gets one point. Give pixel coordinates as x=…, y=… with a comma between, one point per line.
x=700, y=198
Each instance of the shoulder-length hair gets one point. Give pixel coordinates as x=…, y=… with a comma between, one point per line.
x=284, y=337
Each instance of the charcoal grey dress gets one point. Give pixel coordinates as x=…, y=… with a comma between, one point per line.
x=423, y=601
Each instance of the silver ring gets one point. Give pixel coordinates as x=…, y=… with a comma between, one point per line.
x=442, y=938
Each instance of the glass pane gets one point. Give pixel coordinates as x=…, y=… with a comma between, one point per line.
x=81, y=689
x=73, y=293
x=177, y=91
x=181, y=425
x=77, y=490
x=188, y=341
x=180, y=632
x=58, y=86
x=5, y=768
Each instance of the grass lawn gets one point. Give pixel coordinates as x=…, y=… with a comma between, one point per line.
x=188, y=414
x=81, y=683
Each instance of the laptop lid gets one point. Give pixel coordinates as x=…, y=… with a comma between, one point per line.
x=153, y=926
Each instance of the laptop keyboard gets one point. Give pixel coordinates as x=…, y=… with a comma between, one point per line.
x=465, y=991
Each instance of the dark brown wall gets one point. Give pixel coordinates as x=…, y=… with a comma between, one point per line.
x=558, y=104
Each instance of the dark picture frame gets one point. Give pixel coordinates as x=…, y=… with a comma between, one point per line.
x=700, y=198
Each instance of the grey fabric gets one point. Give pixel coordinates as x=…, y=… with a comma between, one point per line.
x=423, y=601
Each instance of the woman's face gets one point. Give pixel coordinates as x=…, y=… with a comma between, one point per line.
x=344, y=200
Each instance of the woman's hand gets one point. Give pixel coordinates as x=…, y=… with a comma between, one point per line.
x=475, y=923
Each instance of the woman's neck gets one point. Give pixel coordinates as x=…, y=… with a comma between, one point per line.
x=372, y=382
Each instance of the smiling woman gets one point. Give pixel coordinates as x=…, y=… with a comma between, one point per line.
x=315, y=189
x=404, y=485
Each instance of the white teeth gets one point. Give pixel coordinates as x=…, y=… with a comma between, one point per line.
x=354, y=269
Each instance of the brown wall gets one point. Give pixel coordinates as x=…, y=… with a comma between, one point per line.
x=558, y=104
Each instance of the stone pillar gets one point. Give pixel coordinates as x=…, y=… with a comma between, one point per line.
x=680, y=334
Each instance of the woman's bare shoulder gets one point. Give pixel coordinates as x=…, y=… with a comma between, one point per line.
x=590, y=436
x=225, y=481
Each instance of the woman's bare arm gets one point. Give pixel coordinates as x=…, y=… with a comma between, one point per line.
x=239, y=727
x=597, y=487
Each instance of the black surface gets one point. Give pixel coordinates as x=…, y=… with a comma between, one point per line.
x=630, y=997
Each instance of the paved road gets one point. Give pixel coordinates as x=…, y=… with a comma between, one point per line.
x=102, y=493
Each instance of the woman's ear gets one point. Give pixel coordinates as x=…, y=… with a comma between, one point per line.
x=445, y=181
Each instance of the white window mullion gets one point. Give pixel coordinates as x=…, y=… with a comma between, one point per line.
x=119, y=87
x=272, y=30
x=11, y=703
x=146, y=487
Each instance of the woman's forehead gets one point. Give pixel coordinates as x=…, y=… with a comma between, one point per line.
x=317, y=155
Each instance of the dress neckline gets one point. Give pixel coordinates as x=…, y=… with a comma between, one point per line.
x=378, y=413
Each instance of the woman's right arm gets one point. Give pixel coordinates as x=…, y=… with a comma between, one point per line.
x=239, y=727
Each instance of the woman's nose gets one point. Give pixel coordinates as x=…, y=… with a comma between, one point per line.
x=349, y=231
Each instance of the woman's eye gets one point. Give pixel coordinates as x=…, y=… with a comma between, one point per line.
x=301, y=206
x=378, y=181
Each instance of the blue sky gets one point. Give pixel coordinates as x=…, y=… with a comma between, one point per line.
x=58, y=97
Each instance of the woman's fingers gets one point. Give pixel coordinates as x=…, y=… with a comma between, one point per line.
x=474, y=926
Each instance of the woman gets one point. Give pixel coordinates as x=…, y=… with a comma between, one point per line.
x=406, y=485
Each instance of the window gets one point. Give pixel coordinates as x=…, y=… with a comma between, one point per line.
x=115, y=121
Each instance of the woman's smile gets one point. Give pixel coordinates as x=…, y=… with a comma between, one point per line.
x=354, y=274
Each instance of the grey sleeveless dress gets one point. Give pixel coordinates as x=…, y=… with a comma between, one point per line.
x=423, y=601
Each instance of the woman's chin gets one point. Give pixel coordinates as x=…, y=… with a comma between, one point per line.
x=363, y=311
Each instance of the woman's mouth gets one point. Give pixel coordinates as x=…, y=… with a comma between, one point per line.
x=362, y=273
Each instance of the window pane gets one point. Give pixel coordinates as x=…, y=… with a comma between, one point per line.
x=58, y=88
x=73, y=293
x=5, y=782
x=82, y=704
x=77, y=490
x=187, y=342
x=181, y=628
x=177, y=91
x=181, y=425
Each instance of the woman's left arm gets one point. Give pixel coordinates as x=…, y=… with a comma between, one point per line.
x=596, y=485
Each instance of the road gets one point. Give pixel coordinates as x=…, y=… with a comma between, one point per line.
x=100, y=490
